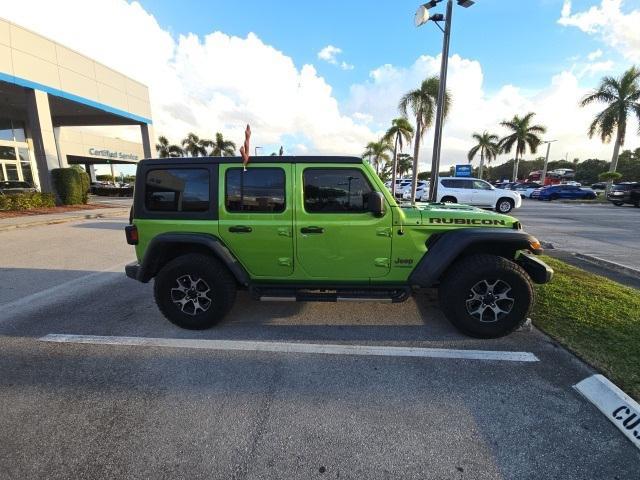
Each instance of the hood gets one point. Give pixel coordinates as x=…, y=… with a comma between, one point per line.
x=454, y=215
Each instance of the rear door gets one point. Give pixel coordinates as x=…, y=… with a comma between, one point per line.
x=461, y=189
x=256, y=217
x=337, y=237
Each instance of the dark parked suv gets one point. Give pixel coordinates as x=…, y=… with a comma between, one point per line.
x=625, y=192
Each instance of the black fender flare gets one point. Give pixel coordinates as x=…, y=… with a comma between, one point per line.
x=158, y=246
x=445, y=248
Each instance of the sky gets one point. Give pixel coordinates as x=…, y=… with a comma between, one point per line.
x=326, y=77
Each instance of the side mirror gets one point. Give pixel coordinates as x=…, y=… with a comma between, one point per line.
x=376, y=204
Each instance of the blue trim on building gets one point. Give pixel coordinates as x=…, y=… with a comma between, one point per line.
x=70, y=96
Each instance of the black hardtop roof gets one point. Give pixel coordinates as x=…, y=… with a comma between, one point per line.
x=258, y=159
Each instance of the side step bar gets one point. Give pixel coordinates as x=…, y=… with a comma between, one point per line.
x=328, y=294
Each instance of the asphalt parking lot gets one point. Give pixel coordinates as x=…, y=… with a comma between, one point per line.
x=73, y=410
x=601, y=230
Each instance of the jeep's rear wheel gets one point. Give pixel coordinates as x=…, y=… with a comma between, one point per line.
x=194, y=291
x=449, y=199
x=486, y=296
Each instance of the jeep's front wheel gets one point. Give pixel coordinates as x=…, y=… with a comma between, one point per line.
x=194, y=291
x=486, y=296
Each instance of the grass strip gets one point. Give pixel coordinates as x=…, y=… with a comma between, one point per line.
x=594, y=317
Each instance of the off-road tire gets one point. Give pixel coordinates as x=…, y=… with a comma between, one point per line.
x=501, y=205
x=456, y=290
x=188, y=268
x=449, y=199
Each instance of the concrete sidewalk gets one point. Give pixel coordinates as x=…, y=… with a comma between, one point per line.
x=27, y=221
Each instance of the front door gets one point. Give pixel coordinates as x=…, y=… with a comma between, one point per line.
x=482, y=194
x=337, y=238
x=256, y=217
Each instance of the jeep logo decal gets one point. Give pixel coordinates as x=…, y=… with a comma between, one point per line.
x=403, y=261
x=467, y=221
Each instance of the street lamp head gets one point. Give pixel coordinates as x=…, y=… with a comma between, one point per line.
x=422, y=16
x=465, y=3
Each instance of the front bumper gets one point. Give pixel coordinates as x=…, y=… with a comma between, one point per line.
x=537, y=270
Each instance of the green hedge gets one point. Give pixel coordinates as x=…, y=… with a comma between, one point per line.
x=85, y=182
x=26, y=201
x=68, y=184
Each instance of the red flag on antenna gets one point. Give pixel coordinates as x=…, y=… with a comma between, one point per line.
x=244, y=149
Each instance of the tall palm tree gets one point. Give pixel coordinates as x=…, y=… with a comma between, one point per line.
x=165, y=149
x=400, y=131
x=423, y=102
x=194, y=145
x=524, y=134
x=222, y=147
x=377, y=154
x=622, y=96
x=405, y=164
x=487, y=146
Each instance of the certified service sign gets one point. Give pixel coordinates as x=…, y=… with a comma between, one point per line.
x=464, y=171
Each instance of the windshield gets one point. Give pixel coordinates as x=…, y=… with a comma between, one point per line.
x=621, y=187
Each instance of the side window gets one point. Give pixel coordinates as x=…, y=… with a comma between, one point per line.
x=480, y=185
x=177, y=190
x=335, y=190
x=257, y=190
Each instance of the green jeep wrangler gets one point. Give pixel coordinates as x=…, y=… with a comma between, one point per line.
x=320, y=229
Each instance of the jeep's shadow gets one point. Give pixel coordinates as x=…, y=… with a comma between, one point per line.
x=113, y=305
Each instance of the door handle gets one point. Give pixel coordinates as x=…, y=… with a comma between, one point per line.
x=315, y=230
x=240, y=229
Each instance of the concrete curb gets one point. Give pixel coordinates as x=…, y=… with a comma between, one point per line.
x=112, y=213
x=632, y=272
x=600, y=262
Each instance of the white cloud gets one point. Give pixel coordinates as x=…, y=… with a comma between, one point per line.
x=475, y=110
x=205, y=84
x=594, y=55
x=330, y=54
x=615, y=28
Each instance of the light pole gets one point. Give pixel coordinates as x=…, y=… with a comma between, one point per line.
x=546, y=161
x=422, y=17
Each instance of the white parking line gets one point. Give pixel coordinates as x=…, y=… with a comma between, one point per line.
x=289, y=347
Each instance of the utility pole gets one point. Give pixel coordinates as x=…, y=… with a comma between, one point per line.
x=546, y=161
x=437, y=139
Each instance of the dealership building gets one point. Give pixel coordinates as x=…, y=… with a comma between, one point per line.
x=48, y=93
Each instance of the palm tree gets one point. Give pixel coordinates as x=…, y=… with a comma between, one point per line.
x=222, y=147
x=165, y=149
x=487, y=146
x=195, y=146
x=423, y=102
x=623, y=98
x=377, y=154
x=400, y=131
x=405, y=164
x=524, y=134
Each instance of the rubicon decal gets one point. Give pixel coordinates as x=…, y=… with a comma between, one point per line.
x=468, y=221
